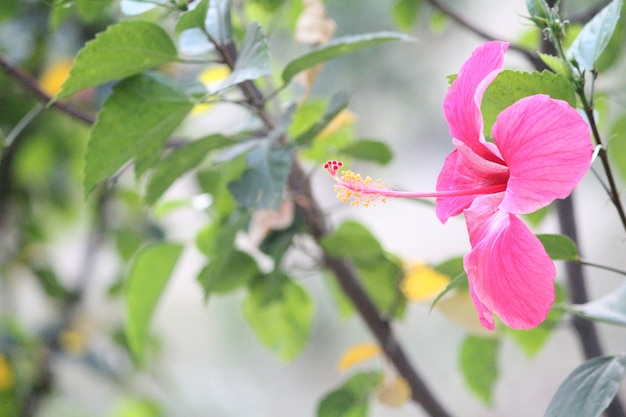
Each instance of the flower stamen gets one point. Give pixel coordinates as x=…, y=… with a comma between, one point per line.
x=353, y=188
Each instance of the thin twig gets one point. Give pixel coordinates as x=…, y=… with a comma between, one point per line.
x=352, y=287
x=461, y=21
x=30, y=84
x=604, y=267
x=576, y=283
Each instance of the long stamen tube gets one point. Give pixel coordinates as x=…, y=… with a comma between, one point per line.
x=353, y=188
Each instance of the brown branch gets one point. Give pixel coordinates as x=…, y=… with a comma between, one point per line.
x=461, y=21
x=348, y=280
x=30, y=84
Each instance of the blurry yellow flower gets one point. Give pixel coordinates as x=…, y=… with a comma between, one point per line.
x=357, y=354
x=394, y=393
x=211, y=78
x=54, y=76
x=423, y=283
x=6, y=375
x=459, y=308
x=214, y=75
x=343, y=119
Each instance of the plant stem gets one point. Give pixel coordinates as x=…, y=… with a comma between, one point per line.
x=461, y=21
x=299, y=187
x=351, y=285
x=604, y=158
x=30, y=84
x=604, y=267
x=576, y=286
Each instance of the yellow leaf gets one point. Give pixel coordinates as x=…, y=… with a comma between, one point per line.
x=422, y=283
x=394, y=393
x=6, y=375
x=357, y=354
x=53, y=77
x=459, y=309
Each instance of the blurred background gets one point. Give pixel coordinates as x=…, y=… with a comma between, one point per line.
x=209, y=363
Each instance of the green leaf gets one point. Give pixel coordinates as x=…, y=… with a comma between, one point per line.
x=338, y=47
x=510, y=86
x=609, y=309
x=214, y=181
x=91, y=11
x=559, y=247
x=174, y=165
x=262, y=184
x=253, y=60
x=284, y=323
x=218, y=23
x=228, y=268
x=589, y=389
x=352, y=240
x=194, y=18
x=134, y=122
x=270, y=5
x=136, y=407
x=556, y=64
x=454, y=269
x=538, y=8
x=380, y=274
x=405, y=13
x=381, y=279
x=532, y=341
x=149, y=273
x=124, y=49
x=478, y=360
x=617, y=145
x=338, y=102
x=536, y=217
x=595, y=36
x=351, y=399
x=369, y=150
x=51, y=284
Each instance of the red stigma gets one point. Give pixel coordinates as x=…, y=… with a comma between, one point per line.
x=333, y=166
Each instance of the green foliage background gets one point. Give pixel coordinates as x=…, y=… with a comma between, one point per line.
x=127, y=287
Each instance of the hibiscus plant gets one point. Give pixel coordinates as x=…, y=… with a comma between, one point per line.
x=157, y=150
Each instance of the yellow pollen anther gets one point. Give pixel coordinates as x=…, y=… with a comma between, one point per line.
x=358, y=191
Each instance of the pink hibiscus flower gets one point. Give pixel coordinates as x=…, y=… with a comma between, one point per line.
x=541, y=150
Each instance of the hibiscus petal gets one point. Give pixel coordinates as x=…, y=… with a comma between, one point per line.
x=508, y=269
x=547, y=146
x=464, y=170
x=462, y=103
